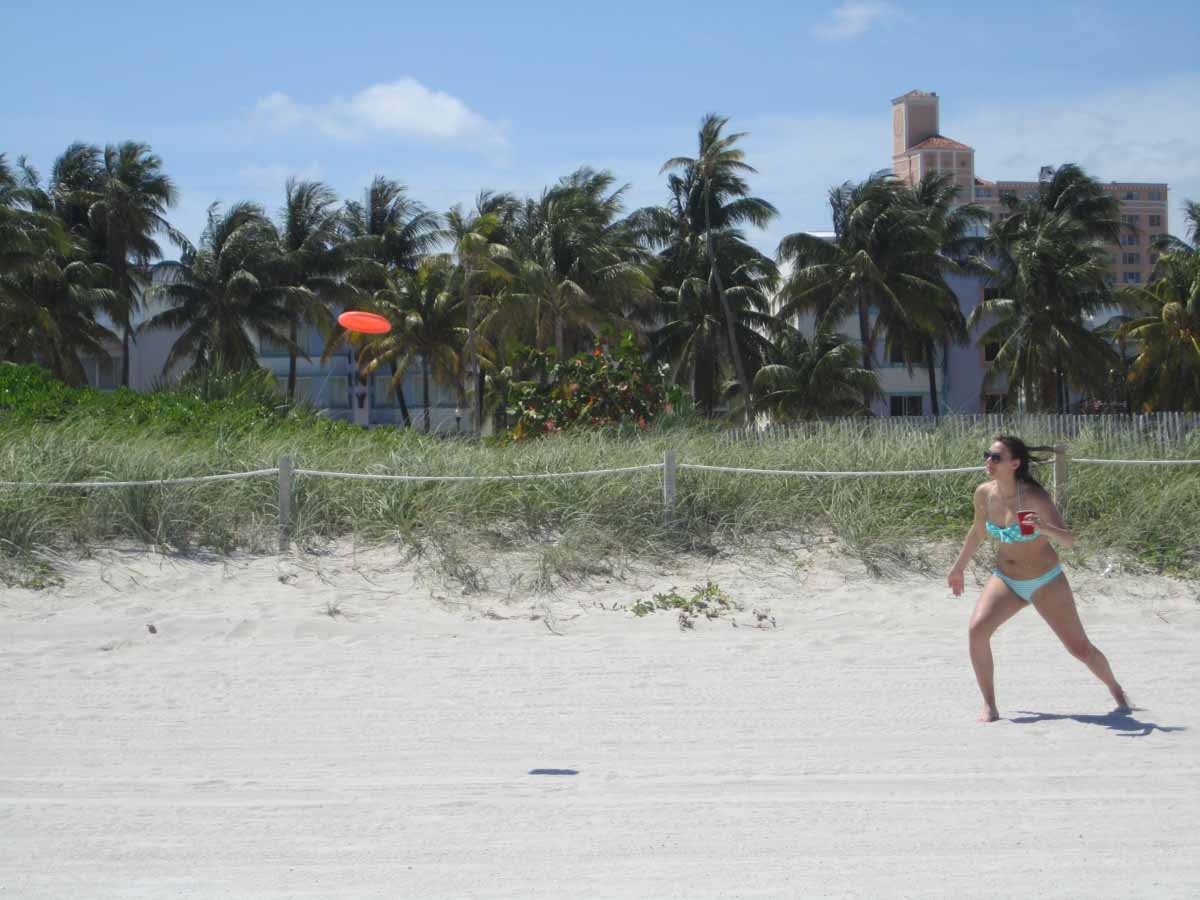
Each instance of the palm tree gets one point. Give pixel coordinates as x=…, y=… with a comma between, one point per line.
x=480, y=239
x=427, y=326
x=715, y=185
x=1166, y=372
x=127, y=197
x=931, y=316
x=221, y=296
x=1050, y=277
x=578, y=263
x=692, y=332
x=886, y=265
x=1169, y=243
x=389, y=228
x=24, y=229
x=308, y=264
x=808, y=378
x=50, y=292
x=48, y=315
x=1069, y=191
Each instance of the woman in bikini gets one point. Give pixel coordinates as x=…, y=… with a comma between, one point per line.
x=1027, y=572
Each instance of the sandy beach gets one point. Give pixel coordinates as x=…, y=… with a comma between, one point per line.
x=343, y=725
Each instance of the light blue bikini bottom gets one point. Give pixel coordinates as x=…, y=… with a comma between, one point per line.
x=1024, y=589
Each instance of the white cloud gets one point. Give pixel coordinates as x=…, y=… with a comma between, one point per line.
x=402, y=109
x=852, y=19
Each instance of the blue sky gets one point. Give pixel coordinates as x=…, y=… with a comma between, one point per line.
x=454, y=97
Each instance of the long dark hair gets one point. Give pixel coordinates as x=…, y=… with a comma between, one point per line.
x=1023, y=452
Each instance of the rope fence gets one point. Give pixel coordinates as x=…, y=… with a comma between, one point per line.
x=824, y=474
x=1139, y=462
x=231, y=476
x=370, y=477
x=669, y=468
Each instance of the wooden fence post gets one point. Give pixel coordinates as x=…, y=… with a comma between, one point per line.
x=669, y=488
x=1060, y=475
x=285, y=503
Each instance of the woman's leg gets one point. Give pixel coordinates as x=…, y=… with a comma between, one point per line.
x=1056, y=603
x=997, y=604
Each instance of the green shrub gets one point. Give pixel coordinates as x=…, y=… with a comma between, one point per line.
x=608, y=385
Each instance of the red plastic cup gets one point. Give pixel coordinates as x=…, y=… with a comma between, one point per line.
x=1026, y=526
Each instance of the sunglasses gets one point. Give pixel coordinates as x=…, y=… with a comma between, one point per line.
x=994, y=457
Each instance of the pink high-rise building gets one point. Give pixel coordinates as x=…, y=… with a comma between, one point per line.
x=919, y=147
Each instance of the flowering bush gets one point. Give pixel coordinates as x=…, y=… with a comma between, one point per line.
x=608, y=385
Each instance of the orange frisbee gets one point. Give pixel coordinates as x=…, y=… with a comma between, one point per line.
x=365, y=322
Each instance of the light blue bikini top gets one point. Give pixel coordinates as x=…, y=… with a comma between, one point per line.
x=1009, y=534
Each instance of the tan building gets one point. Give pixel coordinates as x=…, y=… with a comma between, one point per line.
x=919, y=147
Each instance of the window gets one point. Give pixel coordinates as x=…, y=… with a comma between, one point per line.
x=995, y=403
x=101, y=372
x=1154, y=195
x=983, y=192
x=335, y=392
x=106, y=372
x=1132, y=277
x=383, y=395
x=1131, y=259
x=1110, y=278
x=1130, y=220
x=1129, y=240
x=304, y=390
x=907, y=406
x=1153, y=258
x=962, y=161
x=1130, y=195
x=991, y=350
x=1155, y=221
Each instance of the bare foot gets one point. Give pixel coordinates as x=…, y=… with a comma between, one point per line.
x=989, y=714
x=1123, y=704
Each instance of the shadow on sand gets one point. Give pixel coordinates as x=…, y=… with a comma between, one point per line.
x=1121, y=721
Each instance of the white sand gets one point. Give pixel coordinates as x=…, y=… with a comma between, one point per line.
x=258, y=747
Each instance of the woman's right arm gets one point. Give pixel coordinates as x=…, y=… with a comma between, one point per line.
x=975, y=537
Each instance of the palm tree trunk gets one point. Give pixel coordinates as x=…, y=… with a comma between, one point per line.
x=559, y=343
x=400, y=397
x=425, y=387
x=735, y=350
x=933, y=391
x=291, y=382
x=125, y=345
x=704, y=377
x=120, y=283
x=479, y=388
x=864, y=332
x=472, y=351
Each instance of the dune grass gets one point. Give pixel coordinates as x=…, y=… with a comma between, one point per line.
x=1146, y=516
